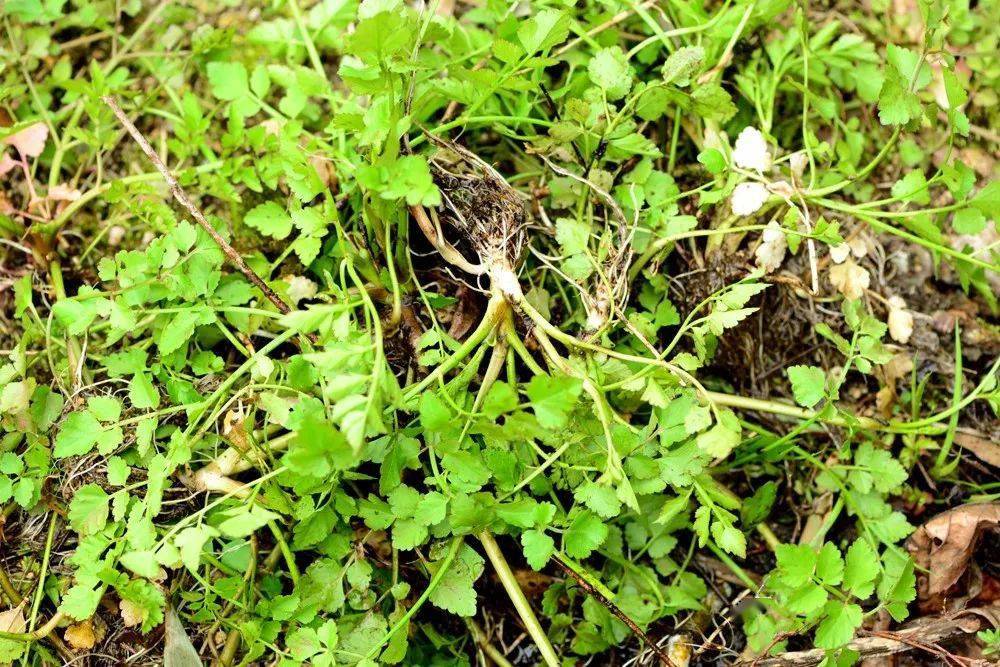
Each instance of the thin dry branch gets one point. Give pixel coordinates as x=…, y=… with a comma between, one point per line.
x=923, y=634
x=618, y=613
x=180, y=196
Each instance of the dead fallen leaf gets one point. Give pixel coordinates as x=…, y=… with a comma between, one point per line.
x=30, y=141
x=324, y=167
x=81, y=636
x=890, y=372
x=920, y=633
x=12, y=620
x=679, y=650
x=989, y=591
x=534, y=584
x=984, y=449
x=131, y=614
x=943, y=546
x=466, y=313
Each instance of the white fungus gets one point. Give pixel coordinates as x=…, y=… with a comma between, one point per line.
x=505, y=280
x=751, y=150
x=900, y=320
x=748, y=198
x=859, y=246
x=797, y=163
x=299, y=288
x=771, y=251
x=850, y=279
x=839, y=253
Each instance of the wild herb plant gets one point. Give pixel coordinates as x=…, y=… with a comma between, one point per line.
x=475, y=361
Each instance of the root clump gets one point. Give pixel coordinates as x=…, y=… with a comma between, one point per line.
x=486, y=212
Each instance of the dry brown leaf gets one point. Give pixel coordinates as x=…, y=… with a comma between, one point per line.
x=985, y=450
x=131, y=614
x=30, y=141
x=81, y=636
x=679, y=650
x=12, y=620
x=944, y=545
x=890, y=372
x=534, y=584
x=916, y=635
x=466, y=313
x=327, y=172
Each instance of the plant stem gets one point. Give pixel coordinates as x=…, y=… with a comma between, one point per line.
x=293, y=569
x=489, y=649
x=456, y=545
x=40, y=590
x=314, y=58
x=40, y=633
x=521, y=603
x=494, y=310
x=868, y=168
x=199, y=217
x=956, y=398
x=770, y=538
x=778, y=408
x=591, y=590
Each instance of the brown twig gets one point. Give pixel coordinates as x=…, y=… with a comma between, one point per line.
x=618, y=613
x=924, y=634
x=180, y=196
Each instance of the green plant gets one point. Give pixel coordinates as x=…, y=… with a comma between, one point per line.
x=418, y=317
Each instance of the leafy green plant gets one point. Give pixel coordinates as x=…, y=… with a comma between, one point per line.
x=425, y=319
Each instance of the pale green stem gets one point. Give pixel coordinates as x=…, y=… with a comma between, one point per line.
x=521, y=603
x=403, y=622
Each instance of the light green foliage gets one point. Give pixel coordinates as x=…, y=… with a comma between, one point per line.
x=314, y=468
x=610, y=72
x=821, y=588
x=808, y=384
x=456, y=593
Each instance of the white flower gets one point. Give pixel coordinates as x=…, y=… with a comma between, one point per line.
x=748, y=198
x=751, y=150
x=850, y=279
x=900, y=320
x=771, y=252
x=839, y=253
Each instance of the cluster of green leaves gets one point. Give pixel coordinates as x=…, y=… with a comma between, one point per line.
x=343, y=486
x=822, y=588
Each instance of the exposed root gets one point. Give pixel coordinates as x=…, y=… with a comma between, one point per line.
x=487, y=213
